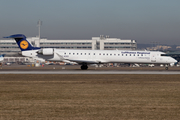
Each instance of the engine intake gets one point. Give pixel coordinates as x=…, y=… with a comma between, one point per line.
x=46, y=51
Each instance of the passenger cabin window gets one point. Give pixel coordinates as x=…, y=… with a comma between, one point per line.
x=81, y=53
x=89, y=54
x=94, y=54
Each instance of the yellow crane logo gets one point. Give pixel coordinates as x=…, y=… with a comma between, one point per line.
x=24, y=44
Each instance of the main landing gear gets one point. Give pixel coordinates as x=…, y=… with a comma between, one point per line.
x=84, y=66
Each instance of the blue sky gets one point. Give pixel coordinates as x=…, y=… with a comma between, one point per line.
x=146, y=21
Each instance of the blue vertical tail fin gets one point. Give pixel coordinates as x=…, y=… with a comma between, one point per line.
x=2, y=55
x=23, y=44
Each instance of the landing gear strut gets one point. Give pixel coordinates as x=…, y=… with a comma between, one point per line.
x=166, y=68
x=84, y=67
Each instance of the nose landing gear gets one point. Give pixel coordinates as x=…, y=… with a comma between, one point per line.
x=166, y=68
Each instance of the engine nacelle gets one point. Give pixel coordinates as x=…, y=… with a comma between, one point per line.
x=46, y=51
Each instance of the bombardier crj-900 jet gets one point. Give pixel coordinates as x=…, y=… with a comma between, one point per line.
x=86, y=57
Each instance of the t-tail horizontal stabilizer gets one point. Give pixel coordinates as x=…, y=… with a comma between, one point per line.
x=23, y=44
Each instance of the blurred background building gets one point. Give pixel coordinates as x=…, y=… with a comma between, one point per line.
x=10, y=48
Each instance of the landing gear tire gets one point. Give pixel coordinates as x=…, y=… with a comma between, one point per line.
x=84, y=67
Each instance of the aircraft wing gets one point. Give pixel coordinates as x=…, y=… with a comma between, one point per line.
x=90, y=61
x=85, y=61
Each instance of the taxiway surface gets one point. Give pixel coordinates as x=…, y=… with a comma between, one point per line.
x=89, y=72
x=92, y=70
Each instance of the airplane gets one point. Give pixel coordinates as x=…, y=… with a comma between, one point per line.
x=2, y=57
x=87, y=57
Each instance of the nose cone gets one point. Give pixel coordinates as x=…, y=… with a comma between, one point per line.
x=173, y=60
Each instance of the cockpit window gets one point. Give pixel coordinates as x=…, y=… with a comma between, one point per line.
x=164, y=55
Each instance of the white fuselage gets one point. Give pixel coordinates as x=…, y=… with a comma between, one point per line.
x=103, y=56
